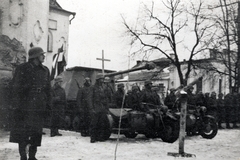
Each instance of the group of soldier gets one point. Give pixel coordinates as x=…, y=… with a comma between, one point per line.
x=94, y=101
x=223, y=108
x=33, y=97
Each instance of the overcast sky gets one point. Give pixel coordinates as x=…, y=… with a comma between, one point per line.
x=98, y=26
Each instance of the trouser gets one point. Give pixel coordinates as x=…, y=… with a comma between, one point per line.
x=56, y=119
x=228, y=115
x=221, y=115
x=85, y=122
x=97, y=126
x=22, y=150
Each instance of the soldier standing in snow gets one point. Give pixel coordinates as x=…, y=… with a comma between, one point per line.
x=221, y=110
x=212, y=105
x=98, y=110
x=84, y=107
x=228, y=103
x=31, y=92
x=59, y=105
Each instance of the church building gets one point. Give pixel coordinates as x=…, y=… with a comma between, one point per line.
x=28, y=23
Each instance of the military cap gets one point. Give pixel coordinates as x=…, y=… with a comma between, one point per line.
x=35, y=52
x=147, y=82
x=121, y=85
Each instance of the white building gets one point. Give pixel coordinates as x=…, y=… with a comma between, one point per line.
x=27, y=23
x=211, y=80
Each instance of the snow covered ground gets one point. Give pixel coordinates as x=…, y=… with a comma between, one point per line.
x=71, y=146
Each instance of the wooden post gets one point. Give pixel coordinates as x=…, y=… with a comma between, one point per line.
x=102, y=59
x=182, y=132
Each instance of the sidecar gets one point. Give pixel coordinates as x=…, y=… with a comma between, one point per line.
x=154, y=123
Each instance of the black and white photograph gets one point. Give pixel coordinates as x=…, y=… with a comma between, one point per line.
x=120, y=80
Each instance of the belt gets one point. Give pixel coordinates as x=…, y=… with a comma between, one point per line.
x=37, y=90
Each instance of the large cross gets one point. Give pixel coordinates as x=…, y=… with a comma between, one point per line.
x=102, y=59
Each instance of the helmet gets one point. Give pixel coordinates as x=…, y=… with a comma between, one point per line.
x=58, y=79
x=99, y=76
x=121, y=85
x=106, y=79
x=134, y=88
x=147, y=82
x=172, y=90
x=35, y=52
x=155, y=88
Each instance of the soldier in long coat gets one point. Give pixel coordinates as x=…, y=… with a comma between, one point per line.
x=109, y=91
x=212, y=105
x=228, y=103
x=118, y=96
x=31, y=98
x=84, y=106
x=59, y=104
x=98, y=110
x=221, y=110
x=170, y=99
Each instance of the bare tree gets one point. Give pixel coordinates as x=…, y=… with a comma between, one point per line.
x=165, y=34
x=226, y=38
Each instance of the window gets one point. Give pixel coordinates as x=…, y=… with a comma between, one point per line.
x=50, y=42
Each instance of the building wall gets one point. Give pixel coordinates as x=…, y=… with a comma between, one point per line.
x=210, y=80
x=28, y=22
x=59, y=28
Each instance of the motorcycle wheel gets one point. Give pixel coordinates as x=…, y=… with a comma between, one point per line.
x=210, y=128
x=130, y=134
x=170, y=132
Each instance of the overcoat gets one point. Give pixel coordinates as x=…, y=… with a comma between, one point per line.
x=31, y=97
x=59, y=104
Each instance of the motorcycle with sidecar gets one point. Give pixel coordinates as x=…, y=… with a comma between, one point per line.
x=200, y=123
x=151, y=120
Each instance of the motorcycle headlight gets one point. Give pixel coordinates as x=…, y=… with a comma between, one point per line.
x=203, y=109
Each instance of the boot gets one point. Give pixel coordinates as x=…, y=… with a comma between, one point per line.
x=228, y=126
x=23, y=158
x=220, y=126
x=32, y=152
x=235, y=125
x=53, y=132
x=22, y=151
x=58, y=134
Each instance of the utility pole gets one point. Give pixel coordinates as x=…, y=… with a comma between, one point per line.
x=102, y=59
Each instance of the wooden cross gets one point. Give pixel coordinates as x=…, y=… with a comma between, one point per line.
x=102, y=59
